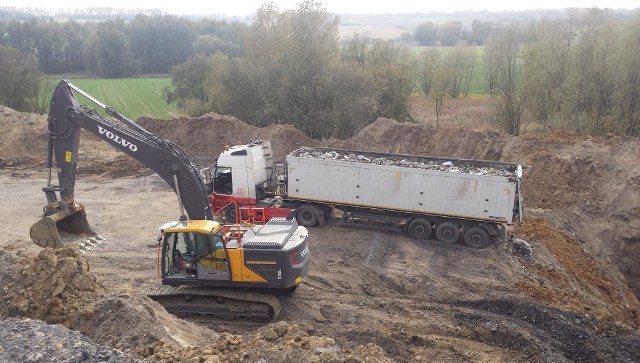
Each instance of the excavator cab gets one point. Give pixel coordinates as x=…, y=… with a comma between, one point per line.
x=193, y=250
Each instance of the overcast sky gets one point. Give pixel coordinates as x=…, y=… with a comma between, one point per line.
x=246, y=7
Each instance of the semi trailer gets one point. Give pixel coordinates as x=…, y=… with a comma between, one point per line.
x=447, y=198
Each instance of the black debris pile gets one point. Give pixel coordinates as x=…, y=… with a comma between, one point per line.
x=30, y=341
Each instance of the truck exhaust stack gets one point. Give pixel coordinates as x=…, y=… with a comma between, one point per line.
x=63, y=228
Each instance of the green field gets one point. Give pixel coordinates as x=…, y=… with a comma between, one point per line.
x=478, y=84
x=131, y=97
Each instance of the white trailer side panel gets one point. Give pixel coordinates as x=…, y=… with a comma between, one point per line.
x=483, y=197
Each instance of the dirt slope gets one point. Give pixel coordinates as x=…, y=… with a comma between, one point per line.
x=587, y=186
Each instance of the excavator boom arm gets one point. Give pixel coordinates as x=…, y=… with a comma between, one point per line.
x=66, y=119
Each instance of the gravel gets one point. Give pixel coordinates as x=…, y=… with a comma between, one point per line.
x=28, y=341
x=452, y=166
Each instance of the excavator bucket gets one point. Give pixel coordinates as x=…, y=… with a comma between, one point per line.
x=66, y=227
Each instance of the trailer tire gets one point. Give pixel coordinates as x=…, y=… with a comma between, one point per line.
x=476, y=237
x=419, y=228
x=307, y=216
x=447, y=232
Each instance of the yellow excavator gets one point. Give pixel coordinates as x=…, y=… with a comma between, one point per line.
x=205, y=267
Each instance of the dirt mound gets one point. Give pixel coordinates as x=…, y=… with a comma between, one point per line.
x=23, y=139
x=24, y=142
x=133, y=323
x=56, y=286
x=278, y=342
x=53, y=286
x=205, y=137
x=385, y=135
x=574, y=280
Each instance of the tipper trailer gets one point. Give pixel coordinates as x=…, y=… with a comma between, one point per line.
x=451, y=197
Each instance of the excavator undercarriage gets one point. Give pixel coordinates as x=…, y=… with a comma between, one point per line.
x=218, y=302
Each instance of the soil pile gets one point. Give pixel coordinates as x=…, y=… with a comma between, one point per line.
x=23, y=138
x=53, y=286
x=56, y=286
x=385, y=135
x=205, y=137
x=278, y=342
x=563, y=275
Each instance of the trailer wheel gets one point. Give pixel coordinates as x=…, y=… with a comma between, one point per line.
x=307, y=216
x=447, y=232
x=419, y=228
x=476, y=237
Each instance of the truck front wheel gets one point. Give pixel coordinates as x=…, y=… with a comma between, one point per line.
x=476, y=237
x=307, y=216
x=230, y=213
x=419, y=228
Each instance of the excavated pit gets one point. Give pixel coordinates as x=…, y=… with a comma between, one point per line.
x=563, y=290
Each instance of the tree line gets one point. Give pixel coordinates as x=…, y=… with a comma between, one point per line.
x=295, y=71
x=452, y=33
x=148, y=44
x=580, y=72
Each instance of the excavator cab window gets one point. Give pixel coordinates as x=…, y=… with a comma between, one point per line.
x=184, y=251
x=211, y=252
x=180, y=255
x=222, y=183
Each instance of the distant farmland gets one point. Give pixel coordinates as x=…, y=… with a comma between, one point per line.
x=478, y=84
x=131, y=97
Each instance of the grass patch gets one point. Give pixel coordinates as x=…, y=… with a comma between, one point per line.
x=478, y=84
x=131, y=97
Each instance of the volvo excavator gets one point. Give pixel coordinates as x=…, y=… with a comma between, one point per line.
x=205, y=267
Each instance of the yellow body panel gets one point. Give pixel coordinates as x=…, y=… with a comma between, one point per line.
x=198, y=226
x=219, y=254
x=240, y=271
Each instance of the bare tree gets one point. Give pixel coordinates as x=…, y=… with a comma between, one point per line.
x=547, y=62
x=491, y=70
x=441, y=84
x=504, y=46
x=427, y=69
x=41, y=100
x=628, y=91
x=461, y=60
x=19, y=77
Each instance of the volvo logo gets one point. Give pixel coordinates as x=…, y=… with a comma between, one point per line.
x=117, y=139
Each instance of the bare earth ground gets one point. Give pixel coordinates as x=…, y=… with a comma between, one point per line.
x=373, y=295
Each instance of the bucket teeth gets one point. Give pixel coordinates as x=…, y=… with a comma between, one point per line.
x=97, y=241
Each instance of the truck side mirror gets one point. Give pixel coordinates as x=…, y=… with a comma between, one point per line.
x=205, y=174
